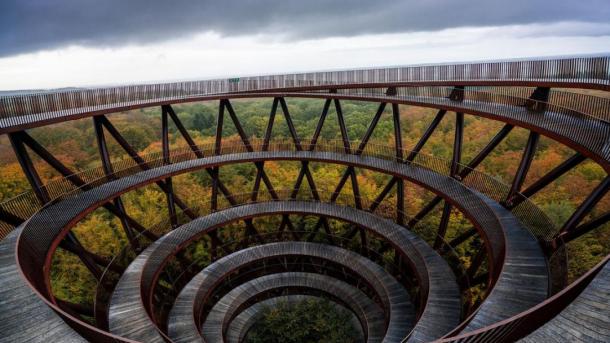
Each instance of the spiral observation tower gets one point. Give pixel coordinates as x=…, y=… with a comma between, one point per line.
x=400, y=284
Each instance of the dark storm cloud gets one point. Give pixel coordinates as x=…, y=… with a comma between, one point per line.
x=32, y=25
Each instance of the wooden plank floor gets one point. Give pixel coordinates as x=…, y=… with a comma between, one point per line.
x=24, y=317
x=442, y=309
x=394, y=297
x=578, y=130
x=126, y=314
x=586, y=319
x=524, y=279
x=221, y=314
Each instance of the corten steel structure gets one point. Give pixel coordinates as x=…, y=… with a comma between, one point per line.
x=399, y=287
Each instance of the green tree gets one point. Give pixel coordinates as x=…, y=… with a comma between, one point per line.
x=308, y=321
x=204, y=121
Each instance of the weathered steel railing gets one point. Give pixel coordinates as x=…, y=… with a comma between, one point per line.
x=26, y=204
x=583, y=71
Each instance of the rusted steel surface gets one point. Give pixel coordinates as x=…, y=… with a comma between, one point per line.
x=534, y=219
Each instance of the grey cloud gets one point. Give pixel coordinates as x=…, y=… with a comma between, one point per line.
x=32, y=25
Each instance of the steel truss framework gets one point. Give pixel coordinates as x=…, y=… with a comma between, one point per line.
x=570, y=230
x=539, y=101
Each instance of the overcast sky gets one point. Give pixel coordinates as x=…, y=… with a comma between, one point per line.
x=60, y=43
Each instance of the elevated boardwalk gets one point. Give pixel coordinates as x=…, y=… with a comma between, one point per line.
x=442, y=309
x=394, y=297
x=586, y=319
x=524, y=281
x=34, y=109
x=24, y=317
x=579, y=131
x=56, y=219
x=517, y=93
x=216, y=325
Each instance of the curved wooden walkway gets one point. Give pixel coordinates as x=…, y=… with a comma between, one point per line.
x=442, y=309
x=582, y=133
x=524, y=280
x=515, y=261
x=58, y=218
x=24, y=317
x=126, y=314
x=585, y=134
x=183, y=327
x=586, y=319
x=214, y=328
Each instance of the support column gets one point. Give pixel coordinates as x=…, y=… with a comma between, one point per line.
x=524, y=166
x=400, y=185
x=108, y=170
x=594, y=197
x=43, y=196
x=442, y=229
x=28, y=168
x=457, y=145
x=465, y=171
x=217, y=150
x=169, y=194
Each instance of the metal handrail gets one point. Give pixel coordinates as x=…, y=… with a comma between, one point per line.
x=168, y=297
x=580, y=70
x=281, y=146
x=570, y=104
x=534, y=218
